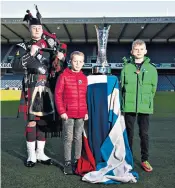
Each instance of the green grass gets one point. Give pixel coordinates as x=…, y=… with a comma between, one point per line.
x=164, y=104
x=162, y=144
x=9, y=108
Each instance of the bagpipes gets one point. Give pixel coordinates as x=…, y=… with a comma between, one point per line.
x=54, y=45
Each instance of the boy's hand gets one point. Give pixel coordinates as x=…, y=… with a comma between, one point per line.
x=64, y=116
x=86, y=117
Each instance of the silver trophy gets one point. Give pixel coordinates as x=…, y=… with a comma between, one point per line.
x=102, y=66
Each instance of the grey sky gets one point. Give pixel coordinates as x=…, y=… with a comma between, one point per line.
x=55, y=9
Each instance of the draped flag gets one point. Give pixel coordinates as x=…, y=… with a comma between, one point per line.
x=106, y=156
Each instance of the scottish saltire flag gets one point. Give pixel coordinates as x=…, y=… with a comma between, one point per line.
x=106, y=156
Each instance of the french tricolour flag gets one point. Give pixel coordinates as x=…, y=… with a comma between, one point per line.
x=106, y=156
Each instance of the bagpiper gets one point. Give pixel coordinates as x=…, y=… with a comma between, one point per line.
x=41, y=59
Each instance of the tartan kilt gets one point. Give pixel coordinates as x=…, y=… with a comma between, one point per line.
x=51, y=122
x=24, y=107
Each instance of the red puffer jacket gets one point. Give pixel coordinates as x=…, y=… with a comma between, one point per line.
x=70, y=94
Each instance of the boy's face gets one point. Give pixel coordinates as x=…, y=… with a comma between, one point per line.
x=77, y=63
x=36, y=31
x=139, y=51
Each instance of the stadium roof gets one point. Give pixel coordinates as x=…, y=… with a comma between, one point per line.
x=71, y=30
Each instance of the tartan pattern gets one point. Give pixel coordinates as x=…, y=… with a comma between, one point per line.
x=52, y=121
x=27, y=89
x=26, y=101
x=26, y=98
x=58, y=65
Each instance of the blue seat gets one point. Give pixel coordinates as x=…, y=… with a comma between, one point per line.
x=11, y=81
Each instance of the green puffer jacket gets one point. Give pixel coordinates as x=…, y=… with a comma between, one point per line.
x=138, y=90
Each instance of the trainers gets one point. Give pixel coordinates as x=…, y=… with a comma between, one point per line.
x=146, y=166
x=68, y=168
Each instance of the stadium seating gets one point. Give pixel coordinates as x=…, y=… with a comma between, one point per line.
x=11, y=81
x=4, y=50
x=115, y=52
x=172, y=79
x=15, y=81
x=158, y=53
x=164, y=84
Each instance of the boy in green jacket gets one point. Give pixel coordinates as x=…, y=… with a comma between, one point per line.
x=138, y=86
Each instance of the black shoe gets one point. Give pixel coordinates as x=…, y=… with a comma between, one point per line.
x=74, y=165
x=47, y=162
x=68, y=168
x=29, y=164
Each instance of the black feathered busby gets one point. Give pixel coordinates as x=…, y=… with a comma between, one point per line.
x=31, y=20
x=34, y=21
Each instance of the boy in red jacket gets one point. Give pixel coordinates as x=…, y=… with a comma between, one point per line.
x=70, y=100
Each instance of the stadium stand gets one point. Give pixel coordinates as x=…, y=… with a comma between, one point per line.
x=164, y=84
x=4, y=50
x=159, y=53
x=11, y=81
x=172, y=79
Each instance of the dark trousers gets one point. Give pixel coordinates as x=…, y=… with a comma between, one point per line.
x=143, y=123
